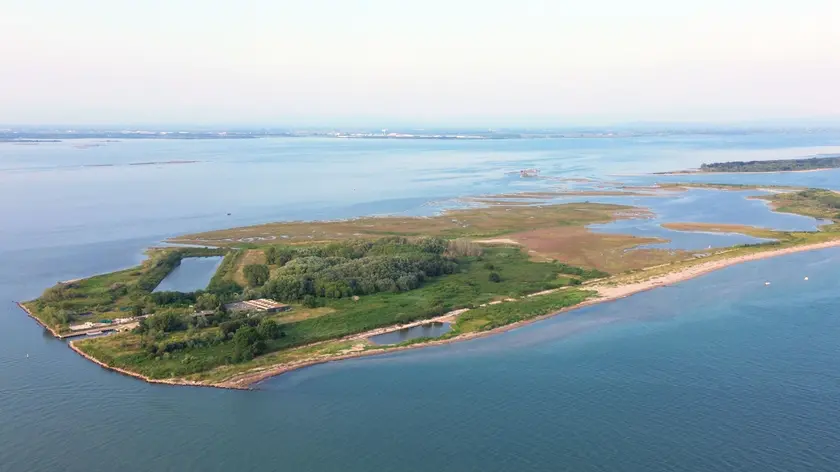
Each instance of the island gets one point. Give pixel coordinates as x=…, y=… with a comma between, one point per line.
x=780, y=165
x=292, y=294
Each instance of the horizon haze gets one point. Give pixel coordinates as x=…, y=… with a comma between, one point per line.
x=494, y=63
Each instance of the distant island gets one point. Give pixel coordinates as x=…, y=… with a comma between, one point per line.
x=780, y=165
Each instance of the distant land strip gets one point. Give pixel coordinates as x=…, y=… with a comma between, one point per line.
x=810, y=164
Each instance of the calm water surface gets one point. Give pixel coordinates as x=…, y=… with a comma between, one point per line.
x=720, y=373
x=430, y=330
x=193, y=274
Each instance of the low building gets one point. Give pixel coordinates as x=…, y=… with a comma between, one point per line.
x=260, y=305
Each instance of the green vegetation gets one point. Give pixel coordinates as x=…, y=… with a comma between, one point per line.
x=448, y=275
x=116, y=295
x=781, y=165
x=345, y=269
x=495, y=316
x=817, y=203
x=256, y=274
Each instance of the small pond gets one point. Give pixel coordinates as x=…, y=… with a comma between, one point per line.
x=193, y=274
x=429, y=330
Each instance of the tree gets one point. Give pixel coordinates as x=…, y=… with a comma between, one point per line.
x=268, y=329
x=137, y=310
x=256, y=274
x=165, y=322
x=310, y=301
x=271, y=255
x=494, y=277
x=207, y=301
x=284, y=255
x=225, y=289
x=229, y=327
x=247, y=343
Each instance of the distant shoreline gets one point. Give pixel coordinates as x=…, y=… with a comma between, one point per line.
x=700, y=172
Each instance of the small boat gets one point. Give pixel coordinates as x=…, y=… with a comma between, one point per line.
x=766, y=283
x=93, y=333
x=806, y=278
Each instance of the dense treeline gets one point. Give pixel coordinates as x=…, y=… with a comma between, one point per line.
x=339, y=270
x=780, y=165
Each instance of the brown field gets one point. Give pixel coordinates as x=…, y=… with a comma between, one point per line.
x=251, y=256
x=472, y=223
x=578, y=246
x=547, y=232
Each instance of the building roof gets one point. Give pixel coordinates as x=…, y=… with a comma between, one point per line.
x=259, y=304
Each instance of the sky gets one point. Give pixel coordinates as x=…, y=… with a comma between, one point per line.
x=432, y=61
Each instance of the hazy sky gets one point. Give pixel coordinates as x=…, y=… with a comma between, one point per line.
x=447, y=61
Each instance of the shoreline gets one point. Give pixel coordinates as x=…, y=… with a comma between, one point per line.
x=698, y=172
x=43, y=325
x=178, y=382
x=605, y=293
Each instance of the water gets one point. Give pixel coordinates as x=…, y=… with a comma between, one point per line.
x=193, y=274
x=720, y=373
x=429, y=330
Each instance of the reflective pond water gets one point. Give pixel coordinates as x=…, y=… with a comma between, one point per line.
x=193, y=274
x=429, y=330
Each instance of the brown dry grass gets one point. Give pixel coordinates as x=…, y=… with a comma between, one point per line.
x=578, y=246
x=251, y=256
x=472, y=223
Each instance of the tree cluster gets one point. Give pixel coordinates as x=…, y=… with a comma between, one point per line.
x=350, y=268
x=256, y=274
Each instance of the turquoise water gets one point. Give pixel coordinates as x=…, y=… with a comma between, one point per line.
x=430, y=330
x=719, y=373
x=194, y=273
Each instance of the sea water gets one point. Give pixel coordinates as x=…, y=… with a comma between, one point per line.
x=718, y=373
